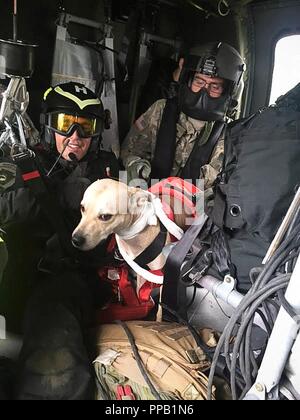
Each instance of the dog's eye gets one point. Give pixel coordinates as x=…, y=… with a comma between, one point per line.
x=105, y=217
x=82, y=209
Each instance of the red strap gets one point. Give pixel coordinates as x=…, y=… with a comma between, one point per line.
x=120, y=392
x=125, y=392
x=127, y=291
x=146, y=289
x=128, y=392
x=31, y=175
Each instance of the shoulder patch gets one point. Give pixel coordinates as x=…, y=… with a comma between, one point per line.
x=7, y=175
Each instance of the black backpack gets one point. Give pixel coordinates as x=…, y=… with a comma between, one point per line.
x=260, y=176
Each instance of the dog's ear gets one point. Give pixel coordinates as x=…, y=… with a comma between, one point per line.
x=138, y=198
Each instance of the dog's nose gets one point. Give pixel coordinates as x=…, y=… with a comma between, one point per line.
x=78, y=241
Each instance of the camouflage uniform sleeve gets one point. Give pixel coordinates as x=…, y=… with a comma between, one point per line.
x=210, y=171
x=140, y=141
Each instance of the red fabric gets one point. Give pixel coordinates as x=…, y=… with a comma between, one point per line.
x=31, y=175
x=124, y=393
x=146, y=289
x=176, y=187
x=112, y=244
x=125, y=304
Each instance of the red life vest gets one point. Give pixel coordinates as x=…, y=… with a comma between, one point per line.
x=127, y=303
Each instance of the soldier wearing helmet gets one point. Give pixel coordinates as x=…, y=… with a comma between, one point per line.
x=61, y=287
x=182, y=136
x=73, y=120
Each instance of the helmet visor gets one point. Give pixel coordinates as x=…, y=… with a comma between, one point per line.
x=65, y=124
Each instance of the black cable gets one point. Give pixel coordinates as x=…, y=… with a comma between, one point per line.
x=286, y=305
x=265, y=321
x=250, y=362
x=139, y=361
x=58, y=158
x=275, y=305
x=267, y=281
x=223, y=344
x=293, y=223
x=246, y=304
x=276, y=260
x=279, y=284
x=290, y=262
x=242, y=361
x=269, y=316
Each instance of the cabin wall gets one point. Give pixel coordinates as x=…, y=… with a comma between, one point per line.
x=36, y=24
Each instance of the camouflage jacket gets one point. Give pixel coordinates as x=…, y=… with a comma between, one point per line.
x=141, y=140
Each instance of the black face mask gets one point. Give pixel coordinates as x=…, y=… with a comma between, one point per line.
x=201, y=106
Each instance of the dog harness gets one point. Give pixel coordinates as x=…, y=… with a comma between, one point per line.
x=130, y=303
x=156, y=210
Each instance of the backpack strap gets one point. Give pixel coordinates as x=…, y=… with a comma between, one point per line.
x=164, y=154
x=221, y=254
x=201, y=154
x=175, y=261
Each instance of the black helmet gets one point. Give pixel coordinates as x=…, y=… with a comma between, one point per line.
x=70, y=106
x=214, y=60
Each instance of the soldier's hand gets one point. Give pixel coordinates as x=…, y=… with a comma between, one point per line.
x=139, y=168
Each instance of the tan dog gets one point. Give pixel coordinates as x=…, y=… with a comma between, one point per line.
x=110, y=206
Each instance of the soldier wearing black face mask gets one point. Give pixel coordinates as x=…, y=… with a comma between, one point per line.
x=182, y=136
x=39, y=209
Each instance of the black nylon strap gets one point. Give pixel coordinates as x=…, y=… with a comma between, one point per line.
x=201, y=154
x=175, y=261
x=153, y=250
x=162, y=163
x=287, y=306
x=221, y=254
x=139, y=360
x=219, y=209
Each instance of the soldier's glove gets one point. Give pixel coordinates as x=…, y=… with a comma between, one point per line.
x=138, y=168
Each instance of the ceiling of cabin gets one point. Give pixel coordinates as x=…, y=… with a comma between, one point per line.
x=210, y=7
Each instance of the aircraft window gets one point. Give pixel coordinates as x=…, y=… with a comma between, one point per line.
x=286, y=72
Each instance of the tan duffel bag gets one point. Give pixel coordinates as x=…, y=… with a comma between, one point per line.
x=173, y=362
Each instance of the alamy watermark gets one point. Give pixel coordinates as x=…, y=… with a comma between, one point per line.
x=181, y=206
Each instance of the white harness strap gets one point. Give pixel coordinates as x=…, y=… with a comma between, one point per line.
x=171, y=227
x=147, y=218
x=153, y=278
x=156, y=211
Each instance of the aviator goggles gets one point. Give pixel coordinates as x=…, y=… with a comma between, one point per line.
x=66, y=124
